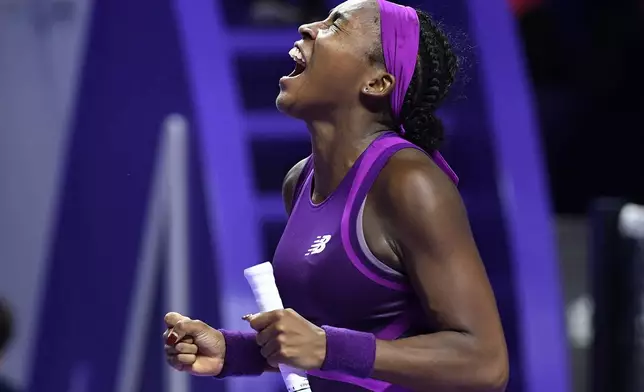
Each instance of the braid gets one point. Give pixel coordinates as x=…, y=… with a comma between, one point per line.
x=435, y=72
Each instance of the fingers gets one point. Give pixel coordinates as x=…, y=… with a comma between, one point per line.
x=267, y=334
x=269, y=326
x=186, y=339
x=172, y=318
x=179, y=326
x=174, y=340
x=274, y=360
x=181, y=352
x=271, y=342
x=271, y=350
x=275, y=352
x=166, y=335
x=186, y=359
x=260, y=321
x=181, y=361
x=186, y=327
x=181, y=348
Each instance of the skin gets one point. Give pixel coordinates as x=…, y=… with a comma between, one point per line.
x=414, y=220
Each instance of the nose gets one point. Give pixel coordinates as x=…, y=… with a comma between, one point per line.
x=308, y=31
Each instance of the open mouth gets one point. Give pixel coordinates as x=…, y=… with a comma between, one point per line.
x=300, y=62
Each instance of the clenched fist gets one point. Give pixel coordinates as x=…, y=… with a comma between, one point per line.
x=193, y=346
x=287, y=338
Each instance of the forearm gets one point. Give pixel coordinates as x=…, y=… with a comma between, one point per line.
x=443, y=361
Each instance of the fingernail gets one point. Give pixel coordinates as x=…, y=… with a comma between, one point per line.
x=247, y=317
x=172, y=339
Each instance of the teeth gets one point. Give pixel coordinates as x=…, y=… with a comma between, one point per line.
x=297, y=55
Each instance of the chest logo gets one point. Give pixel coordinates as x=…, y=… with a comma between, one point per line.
x=318, y=245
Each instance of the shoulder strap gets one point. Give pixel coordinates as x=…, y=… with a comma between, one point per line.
x=372, y=161
x=442, y=163
x=379, y=153
x=375, y=159
x=306, y=170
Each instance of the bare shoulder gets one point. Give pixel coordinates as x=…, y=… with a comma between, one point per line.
x=411, y=182
x=289, y=183
x=423, y=215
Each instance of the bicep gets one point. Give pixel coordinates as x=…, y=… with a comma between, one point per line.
x=448, y=274
x=442, y=261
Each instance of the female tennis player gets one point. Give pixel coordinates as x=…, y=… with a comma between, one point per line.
x=383, y=282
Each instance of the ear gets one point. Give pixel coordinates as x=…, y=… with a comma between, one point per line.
x=380, y=86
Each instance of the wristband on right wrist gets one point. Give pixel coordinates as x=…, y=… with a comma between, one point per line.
x=243, y=356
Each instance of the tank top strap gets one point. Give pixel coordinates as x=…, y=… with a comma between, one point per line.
x=301, y=180
x=373, y=161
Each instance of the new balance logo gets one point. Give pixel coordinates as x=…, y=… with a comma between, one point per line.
x=318, y=245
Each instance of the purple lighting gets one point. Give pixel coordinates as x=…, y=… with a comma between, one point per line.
x=209, y=49
x=524, y=196
x=235, y=206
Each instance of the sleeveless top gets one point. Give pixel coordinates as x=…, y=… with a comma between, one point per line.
x=325, y=271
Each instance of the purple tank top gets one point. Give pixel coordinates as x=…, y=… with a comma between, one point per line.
x=325, y=271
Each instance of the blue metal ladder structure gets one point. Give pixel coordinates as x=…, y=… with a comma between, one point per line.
x=266, y=125
x=238, y=211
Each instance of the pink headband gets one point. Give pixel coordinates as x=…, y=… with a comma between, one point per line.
x=400, y=33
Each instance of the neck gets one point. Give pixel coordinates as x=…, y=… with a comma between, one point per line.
x=336, y=146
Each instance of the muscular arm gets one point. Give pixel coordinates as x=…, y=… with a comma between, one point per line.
x=424, y=217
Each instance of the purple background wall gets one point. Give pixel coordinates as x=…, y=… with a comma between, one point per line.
x=133, y=77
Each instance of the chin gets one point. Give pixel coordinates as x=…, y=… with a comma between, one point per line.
x=282, y=102
x=285, y=103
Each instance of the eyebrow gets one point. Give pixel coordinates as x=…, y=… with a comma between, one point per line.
x=337, y=15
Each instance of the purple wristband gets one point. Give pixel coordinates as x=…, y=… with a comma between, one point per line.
x=243, y=356
x=349, y=352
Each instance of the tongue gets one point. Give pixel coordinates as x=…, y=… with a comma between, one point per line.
x=298, y=70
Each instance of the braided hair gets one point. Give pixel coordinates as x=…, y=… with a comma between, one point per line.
x=436, y=68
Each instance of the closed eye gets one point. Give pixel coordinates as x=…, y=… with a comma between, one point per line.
x=336, y=17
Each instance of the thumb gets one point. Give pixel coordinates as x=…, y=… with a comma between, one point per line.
x=186, y=327
x=172, y=318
